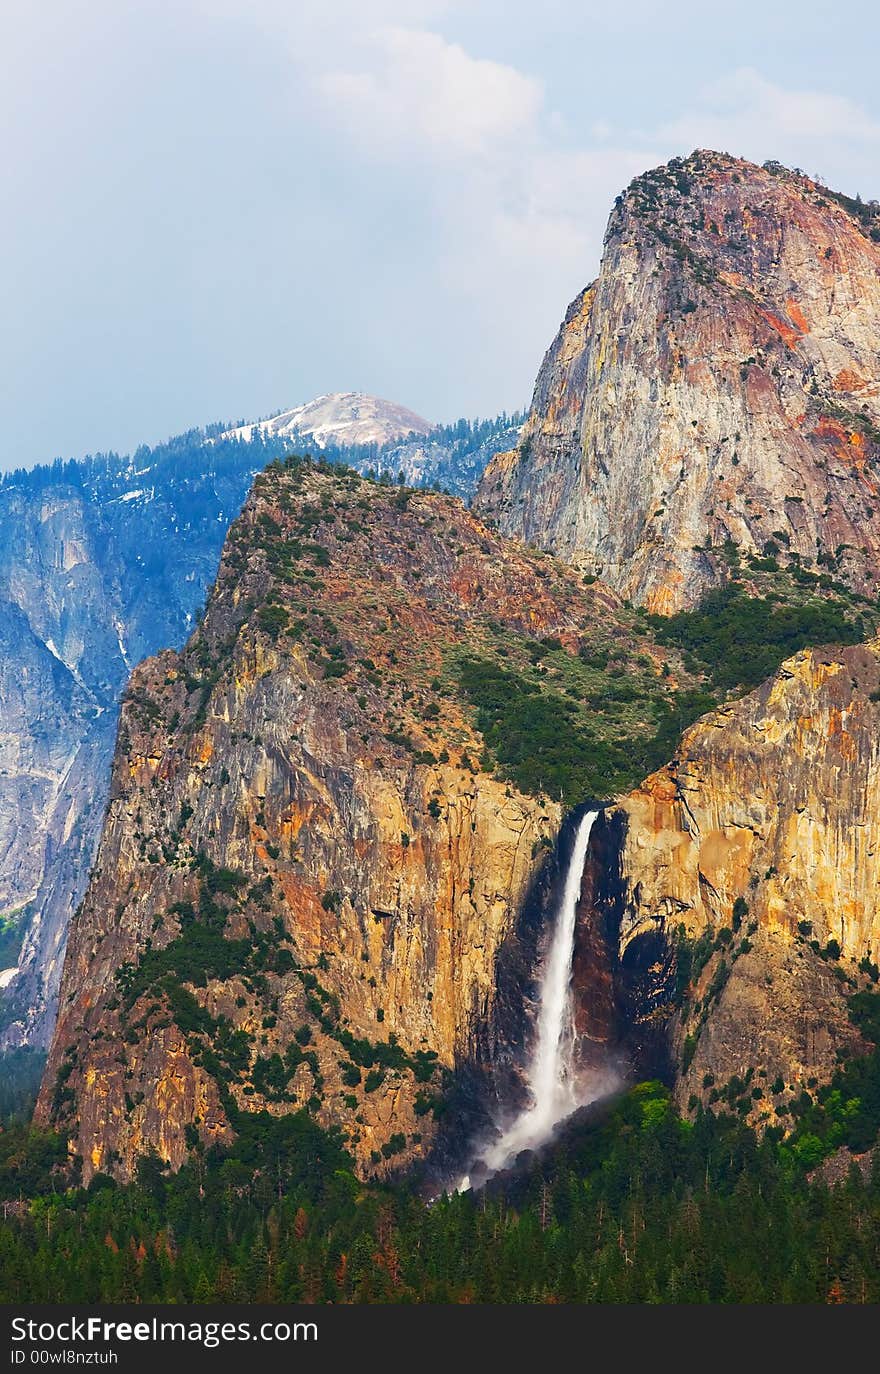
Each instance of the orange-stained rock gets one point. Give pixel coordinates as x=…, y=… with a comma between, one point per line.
x=370, y=843
x=720, y=380
x=773, y=802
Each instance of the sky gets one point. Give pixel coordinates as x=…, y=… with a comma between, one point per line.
x=216, y=209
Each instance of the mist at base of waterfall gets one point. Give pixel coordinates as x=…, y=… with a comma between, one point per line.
x=557, y=1087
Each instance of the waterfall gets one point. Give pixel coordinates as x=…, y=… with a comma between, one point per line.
x=551, y=1075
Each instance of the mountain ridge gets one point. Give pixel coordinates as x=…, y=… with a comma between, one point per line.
x=311, y=783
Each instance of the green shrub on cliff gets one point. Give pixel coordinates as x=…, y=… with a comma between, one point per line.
x=273, y=619
x=740, y=640
x=569, y=748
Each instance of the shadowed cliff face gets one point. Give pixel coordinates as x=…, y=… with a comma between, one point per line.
x=597, y=1022
x=621, y=990
x=88, y=585
x=41, y=711
x=749, y=852
x=308, y=892
x=719, y=381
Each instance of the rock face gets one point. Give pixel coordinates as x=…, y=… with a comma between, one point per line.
x=42, y=704
x=759, y=845
x=312, y=891
x=308, y=893
x=102, y=562
x=89, y=583
x=720, y=381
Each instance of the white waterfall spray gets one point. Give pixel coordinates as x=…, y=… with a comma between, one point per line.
x=551, y=1075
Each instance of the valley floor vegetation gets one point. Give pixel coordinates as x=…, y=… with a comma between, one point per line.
x=639, y=1206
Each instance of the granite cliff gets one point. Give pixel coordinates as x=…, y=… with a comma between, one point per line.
x=87, y=587
x=738, y=885
x=326, y=872
x=312, y=889
x=103, y=561
x=718, y=385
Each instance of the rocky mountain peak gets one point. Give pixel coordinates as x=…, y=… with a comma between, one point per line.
x=716, y=391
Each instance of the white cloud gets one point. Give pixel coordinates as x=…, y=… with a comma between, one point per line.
x=518, y=198
x=400, y=195
x=746, y=100
x=745, y=114
x=519, y=206
x=415, y=89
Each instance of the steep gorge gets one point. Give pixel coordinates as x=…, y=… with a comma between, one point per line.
x=729, y=904
x=311, y=889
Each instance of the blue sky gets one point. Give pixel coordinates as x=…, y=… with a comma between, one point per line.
x=218, y=208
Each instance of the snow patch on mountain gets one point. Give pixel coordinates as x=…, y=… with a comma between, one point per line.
x=341, y=417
